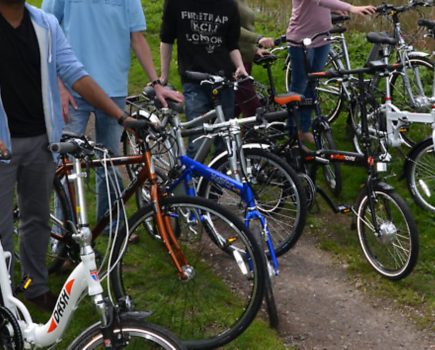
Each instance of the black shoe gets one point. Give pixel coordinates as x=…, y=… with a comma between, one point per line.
x=46, y=301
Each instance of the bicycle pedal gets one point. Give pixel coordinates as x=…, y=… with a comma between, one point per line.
x=23, y=285
x=343, y=209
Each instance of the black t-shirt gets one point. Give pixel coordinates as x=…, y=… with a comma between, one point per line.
x=20, y=78
x=205, y=30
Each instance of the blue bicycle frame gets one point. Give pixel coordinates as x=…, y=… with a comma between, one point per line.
x=193, y=168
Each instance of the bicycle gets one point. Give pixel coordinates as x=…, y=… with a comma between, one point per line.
x=240, y=194
x=419, y=163
x=188, y=228
x=386, y=230
x=116, y=329
x=416, y=69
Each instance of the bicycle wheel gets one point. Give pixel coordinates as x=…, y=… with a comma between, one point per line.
x=331, y=171
x=420, y=174
x=278, y=193
x=393, y=253
x=415, y=96
x=329, y=92
x=225, y=292
x=135, y=334
x=61, y=246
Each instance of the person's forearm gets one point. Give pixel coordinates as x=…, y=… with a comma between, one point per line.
x=335, y=5
x=94, y=94
x=165, y=60
x=143, y=53
x=236, y=58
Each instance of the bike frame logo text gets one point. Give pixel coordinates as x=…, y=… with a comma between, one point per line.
x=61, y=305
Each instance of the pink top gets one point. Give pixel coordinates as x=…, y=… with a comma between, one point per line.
x=310, y=17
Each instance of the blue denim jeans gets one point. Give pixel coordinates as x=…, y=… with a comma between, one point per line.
x=107, y=132
x=198, y=100
x=316, y=58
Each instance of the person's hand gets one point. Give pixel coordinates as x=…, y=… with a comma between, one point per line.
x=3, y=149
x=266, y=43
x=240, y=72
x=262, y=52
x=363, y=10
x=66, y=99
x=163, y=93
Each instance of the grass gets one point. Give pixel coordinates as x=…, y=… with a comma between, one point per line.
x=415, y=294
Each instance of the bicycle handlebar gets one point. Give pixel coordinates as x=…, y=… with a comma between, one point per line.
x=429, y=24
x=387, y=9
x=371, y=69
x=64, y=147
x=6, y=156
x=213, y=128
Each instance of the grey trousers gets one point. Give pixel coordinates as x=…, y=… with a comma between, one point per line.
x=31, y=173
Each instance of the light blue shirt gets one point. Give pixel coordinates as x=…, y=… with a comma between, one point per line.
x=99, y=33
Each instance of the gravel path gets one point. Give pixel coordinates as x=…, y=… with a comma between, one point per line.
x=321, y=309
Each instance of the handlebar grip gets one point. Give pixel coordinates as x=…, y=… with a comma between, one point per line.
x=6, y=156
x=193, y=132
x=63, y=147
x=273, y=116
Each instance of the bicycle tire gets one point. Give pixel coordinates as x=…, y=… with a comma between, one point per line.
x=330, y=92
x=395, y=253
x=141, y=335
x=420, y=73
x=269, y=297
x=420, y=174
x=332, y=170
x=278, y=192
x=203, y=318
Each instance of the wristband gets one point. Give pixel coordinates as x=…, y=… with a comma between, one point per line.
x=156, y=82
x=122, y=119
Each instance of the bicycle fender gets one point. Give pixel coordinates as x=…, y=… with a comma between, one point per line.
x=384, y=186
x=417, y=54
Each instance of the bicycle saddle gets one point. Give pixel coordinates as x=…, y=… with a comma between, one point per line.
x=381, y=38
x=339, y=19
x=426, y=23
x=337, y=30
x=265, y=59
x=290, y=97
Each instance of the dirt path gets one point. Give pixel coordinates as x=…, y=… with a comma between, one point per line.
x=321, y=309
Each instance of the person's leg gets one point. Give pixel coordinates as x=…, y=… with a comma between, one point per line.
x=316, y=60
x=34, y=186
x=197, y=101
x=107, y=132
x=8, y=175
x=298, y=84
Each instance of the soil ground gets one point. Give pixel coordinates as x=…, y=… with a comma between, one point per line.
x=321, y=308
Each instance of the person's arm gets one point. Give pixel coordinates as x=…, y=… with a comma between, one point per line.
x=143, y=53
x=344, y=6
x=66, y=99
x=236, y=58
x=165, y=61
x=94, y=94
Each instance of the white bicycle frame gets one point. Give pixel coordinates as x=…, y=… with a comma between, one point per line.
x=83, y=277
